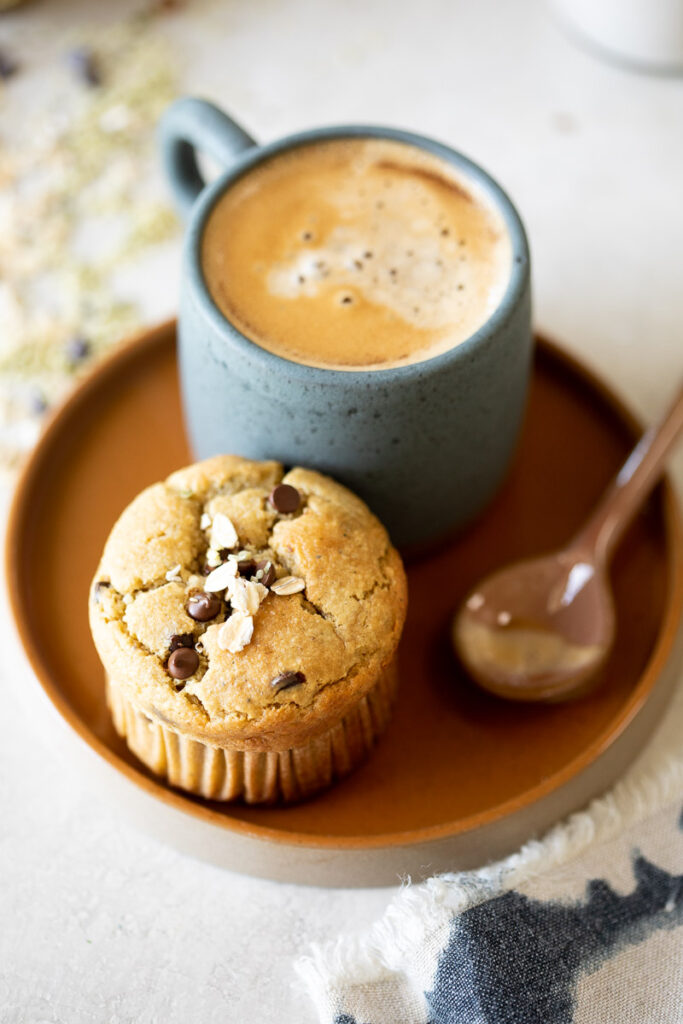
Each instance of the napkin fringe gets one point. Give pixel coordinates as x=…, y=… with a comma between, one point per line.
x=419, y=914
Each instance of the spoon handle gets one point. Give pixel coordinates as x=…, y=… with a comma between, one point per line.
x=631, y=486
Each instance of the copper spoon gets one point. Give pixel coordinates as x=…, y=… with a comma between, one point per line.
x=541, y=630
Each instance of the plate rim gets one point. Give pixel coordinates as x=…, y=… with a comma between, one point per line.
x=145, y=341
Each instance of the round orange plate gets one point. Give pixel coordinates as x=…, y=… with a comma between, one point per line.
x=460, y=777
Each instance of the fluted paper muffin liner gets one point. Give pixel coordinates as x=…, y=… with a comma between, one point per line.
x=256, y=776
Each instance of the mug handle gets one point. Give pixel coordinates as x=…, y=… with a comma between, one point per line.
x=192, y=124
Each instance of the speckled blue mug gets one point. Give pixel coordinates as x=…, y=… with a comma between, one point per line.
x=426, y=444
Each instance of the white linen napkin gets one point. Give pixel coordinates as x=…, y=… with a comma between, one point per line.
x=583, y=927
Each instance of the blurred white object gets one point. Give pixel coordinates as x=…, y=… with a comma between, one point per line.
x=644, y=32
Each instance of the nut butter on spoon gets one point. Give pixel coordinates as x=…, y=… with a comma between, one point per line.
x=541, y=629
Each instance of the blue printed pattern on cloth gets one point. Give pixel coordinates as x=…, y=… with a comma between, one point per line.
x=569, y=946
x=515, y=960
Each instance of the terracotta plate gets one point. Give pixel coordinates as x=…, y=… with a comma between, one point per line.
x=460, y=777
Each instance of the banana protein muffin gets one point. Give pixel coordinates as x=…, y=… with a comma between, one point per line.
x=248, y=621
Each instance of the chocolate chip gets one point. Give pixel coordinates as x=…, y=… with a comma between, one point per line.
x=179, y=640
x=246, y=567
x=8, y=65
x=77, y=349
x=267, y=572
x=182, y=663
x=84, y=64
x=98, y=588
x=287, y=679
x=285, y=498
x=203, y=607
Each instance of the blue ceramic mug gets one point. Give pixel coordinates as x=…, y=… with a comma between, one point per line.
x=426, y=444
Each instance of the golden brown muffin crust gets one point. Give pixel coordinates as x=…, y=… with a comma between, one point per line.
x=338, y=632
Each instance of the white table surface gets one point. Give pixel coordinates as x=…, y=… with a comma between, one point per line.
x=99, y=923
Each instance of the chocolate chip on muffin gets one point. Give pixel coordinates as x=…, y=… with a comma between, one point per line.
x=203, y=607
x=182, y=663
x=180, y=640
x=265, y=572
x=287, y=679
x=284, y=498
x=98, y=587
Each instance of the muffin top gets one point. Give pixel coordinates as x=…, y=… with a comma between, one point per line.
x=236, y=602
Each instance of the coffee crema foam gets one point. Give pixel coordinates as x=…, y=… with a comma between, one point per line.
x=356, y=254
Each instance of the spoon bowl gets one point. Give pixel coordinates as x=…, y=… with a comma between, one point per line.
x=539, y=630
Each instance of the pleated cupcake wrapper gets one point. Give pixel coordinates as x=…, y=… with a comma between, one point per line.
x=224, y=773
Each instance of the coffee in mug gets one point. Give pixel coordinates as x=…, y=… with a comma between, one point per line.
x=356, y=254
